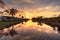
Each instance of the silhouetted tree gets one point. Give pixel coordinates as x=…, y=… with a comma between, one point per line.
x=38, y=19
x=6, y=11
x=1, y=13
x=13, y=12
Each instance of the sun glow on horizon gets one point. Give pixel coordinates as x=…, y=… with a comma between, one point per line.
x=28, y=15
x=31, y=14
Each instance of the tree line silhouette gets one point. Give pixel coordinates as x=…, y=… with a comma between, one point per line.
x=53, y=21
x=12, y=32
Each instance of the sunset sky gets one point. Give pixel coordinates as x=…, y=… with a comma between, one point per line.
x=30, y=9
x=34, y=8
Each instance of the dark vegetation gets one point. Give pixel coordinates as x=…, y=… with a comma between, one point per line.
x=10, y=21
x=6, y=21
x=53, y=21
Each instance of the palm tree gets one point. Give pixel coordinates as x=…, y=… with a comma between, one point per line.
x=6, y=11
x=1, y=13
x=13, y=12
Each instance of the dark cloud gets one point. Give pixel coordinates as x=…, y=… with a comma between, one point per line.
x=32, y=3
x=2, y=4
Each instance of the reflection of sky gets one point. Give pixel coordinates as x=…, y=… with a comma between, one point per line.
x=33, y=32
x=44, y=6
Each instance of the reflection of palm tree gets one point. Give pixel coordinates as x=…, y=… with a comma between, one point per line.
x=12, y=32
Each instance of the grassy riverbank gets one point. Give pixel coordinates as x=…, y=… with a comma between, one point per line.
x=4, y=24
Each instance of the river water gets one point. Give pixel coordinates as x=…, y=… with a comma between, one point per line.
x=31, y=31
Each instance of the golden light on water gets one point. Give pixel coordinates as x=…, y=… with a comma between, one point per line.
x=29, y=23
x=34, y=27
